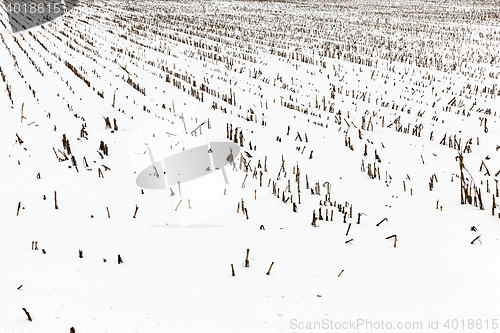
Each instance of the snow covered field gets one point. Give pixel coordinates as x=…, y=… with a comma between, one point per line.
x=351, y=120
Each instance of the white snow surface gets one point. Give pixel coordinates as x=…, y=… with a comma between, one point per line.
x=176, y=272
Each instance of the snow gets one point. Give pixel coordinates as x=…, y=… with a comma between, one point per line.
x=176, y=272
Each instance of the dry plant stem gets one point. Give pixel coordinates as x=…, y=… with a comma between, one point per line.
x=22, y=116
x=19, y=139
x=475, y=239
x=348, y=228
x=359, y=217
x=395, y=239
x=27, y=314
x=269, y=271
x=247, y=263
x=183, y=122
x=342, y=271
x=385, y=219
